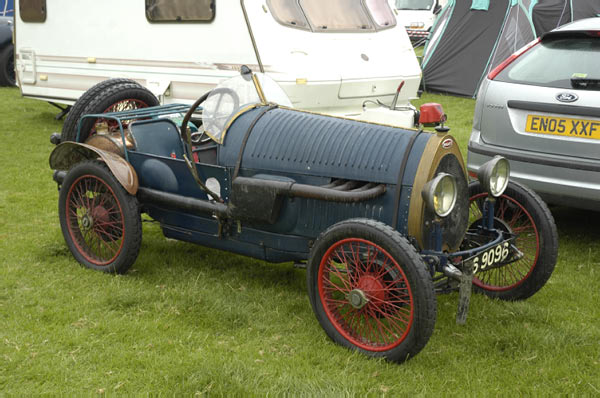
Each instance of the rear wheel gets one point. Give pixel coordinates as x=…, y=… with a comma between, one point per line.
x=370, y=290
x=112, y=95
x=522, y=212
x=100, y=221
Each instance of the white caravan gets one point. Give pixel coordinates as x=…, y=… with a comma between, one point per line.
x=342, y=57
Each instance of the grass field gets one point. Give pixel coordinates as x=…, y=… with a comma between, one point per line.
x=188, y=319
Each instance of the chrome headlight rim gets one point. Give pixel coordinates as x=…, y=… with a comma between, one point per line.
x=436, y=191
x=494, y=175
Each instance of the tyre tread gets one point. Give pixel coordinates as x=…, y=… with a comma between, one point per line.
x=548, y=234
x=130, y=209
x=69, y=129
x=425, y=297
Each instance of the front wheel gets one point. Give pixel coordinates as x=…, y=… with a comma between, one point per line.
x=100, y=221
x=370, y=290
x=522, y=212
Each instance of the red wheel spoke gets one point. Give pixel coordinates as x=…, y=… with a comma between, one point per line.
x=339, y=275
x=331, y=286
x=380, y=302
x=502, y=205
x=383, y=326
x=519, y=222
x=101, y=230
x=389, y=315
x=373, y=317
x=384, y=317
x=351, y=274
x=95, y=220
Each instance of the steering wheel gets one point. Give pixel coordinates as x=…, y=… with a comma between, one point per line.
x=221, y=92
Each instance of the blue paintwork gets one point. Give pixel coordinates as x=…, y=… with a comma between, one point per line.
x=316, y=145
x=286, y=145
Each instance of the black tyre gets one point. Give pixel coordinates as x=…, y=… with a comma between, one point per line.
x=7, y=66
x=112, y=95
x=370, y=290
x=100, y=221
x=521, y=211
x=69, y=129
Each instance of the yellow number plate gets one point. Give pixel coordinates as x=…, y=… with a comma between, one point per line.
x=563, y=126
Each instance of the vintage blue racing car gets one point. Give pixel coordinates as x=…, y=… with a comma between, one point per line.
x=383, y=218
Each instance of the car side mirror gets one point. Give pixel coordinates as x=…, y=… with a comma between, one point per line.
x=437, y=9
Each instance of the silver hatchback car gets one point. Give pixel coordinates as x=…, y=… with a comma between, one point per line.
x=541, y=110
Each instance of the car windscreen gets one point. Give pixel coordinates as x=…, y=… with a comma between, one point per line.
x=333, y=15
x=414, y=4
x=560, y=63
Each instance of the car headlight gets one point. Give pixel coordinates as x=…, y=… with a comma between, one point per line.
x=416, y=25
x=494, y=175
x=440, y=194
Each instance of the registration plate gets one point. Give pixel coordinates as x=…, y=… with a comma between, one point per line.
x=492, y=257
x=563, y=126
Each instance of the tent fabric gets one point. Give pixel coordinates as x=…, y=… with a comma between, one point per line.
x=517, y=31
x=482, y=5
x=464, y=48
x=584, y=9
x=550, y=14
x=466, y=44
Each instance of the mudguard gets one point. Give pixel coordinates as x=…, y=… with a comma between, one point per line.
x=66, y=154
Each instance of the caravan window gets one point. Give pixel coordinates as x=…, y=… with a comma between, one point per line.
x=415, y=4
x=288, y=13
x=333, y=15
x=381, y=13
x=32, y=10
x=180, y=10
x=336, y=15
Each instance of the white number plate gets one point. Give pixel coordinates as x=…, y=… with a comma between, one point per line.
x=491, y=257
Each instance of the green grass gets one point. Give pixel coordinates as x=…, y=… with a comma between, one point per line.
x=188, y=319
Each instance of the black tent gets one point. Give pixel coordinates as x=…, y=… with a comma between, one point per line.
x=550, y=14
x=472, y=37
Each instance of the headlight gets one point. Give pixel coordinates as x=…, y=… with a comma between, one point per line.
x=493, y=175
x=416, y=25
x=440, y=194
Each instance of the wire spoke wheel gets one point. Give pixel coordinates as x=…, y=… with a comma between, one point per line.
x=114, y=95
x=522, y=212
x=111, y=126
x=365, y=294
x=516, y=219
x=100, y=221
x=370, y=290
x=95, y=220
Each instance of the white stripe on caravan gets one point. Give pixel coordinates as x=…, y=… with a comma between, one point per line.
x=160, y=64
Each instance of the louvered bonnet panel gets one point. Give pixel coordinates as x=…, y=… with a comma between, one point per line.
x=285, y=140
